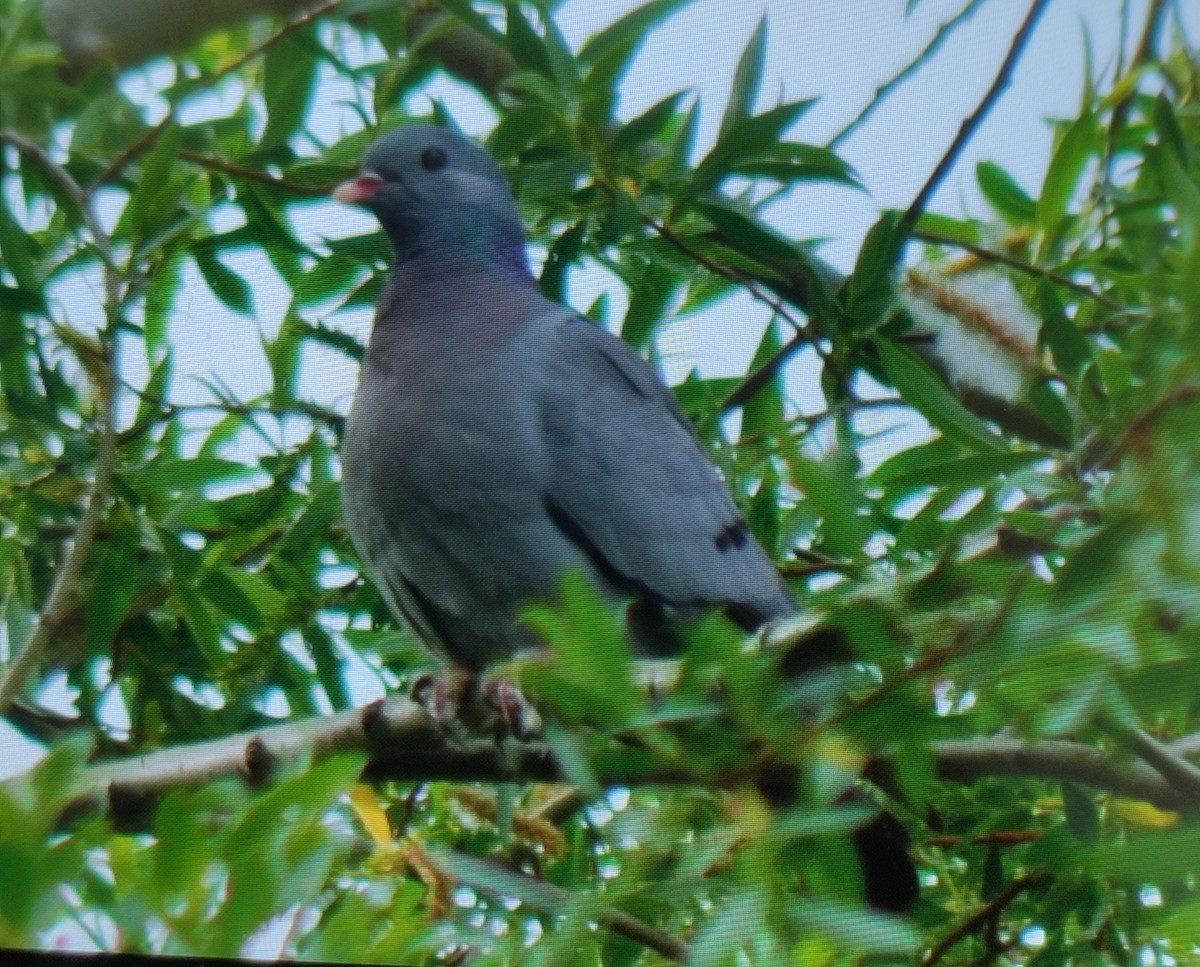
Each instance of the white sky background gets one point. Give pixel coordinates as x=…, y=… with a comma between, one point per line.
x=837, y=51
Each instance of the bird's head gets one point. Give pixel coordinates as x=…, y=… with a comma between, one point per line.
x=438, y=193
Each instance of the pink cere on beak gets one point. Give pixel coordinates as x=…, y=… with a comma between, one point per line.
x=360, y=190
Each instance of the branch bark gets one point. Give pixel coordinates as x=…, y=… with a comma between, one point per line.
x=401, y=743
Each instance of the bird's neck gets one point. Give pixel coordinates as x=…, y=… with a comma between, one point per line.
x=459, y=240
x=456, y=296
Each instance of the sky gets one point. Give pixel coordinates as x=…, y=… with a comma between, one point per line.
x=839, y=52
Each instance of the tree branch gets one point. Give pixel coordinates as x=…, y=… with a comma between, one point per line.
x=403, y=744
x=908, y=220
x=966, y=760
x=71, y=188
x=1166, y=761
x=551, y=900
x=883, y=90
x=1027, y=268
x=98, y=363
x=151, y=134
x=988, y=913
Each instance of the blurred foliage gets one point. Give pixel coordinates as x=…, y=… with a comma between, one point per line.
x=1031, y=566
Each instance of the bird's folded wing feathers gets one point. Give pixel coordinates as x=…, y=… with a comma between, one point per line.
x=631, y=483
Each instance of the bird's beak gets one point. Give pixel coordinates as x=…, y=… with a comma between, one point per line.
x=360, y=190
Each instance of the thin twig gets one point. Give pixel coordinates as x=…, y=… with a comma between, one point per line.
x=549, y=899
x=1133, y=437
x=803, y=331
x=1003, y=78
x=757, y=291
x=881, y=93
x=1027, y=268
x=987, y=913
x=71, y=188
x=246, y=173
x=151, y=134
x=60, y=600
x=754, y=382
x=62, y=593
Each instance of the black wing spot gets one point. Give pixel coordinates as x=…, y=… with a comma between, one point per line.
x=732, y=535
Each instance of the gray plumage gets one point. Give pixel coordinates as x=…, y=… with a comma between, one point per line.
x=498, y=440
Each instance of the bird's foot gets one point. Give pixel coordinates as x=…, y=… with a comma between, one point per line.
x=514, y=715
x=444, y=696
x=461, y=705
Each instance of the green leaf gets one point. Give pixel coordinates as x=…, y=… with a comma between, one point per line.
x=647, y=125
x=954, y=229
x=1071, y=351
x=763, y=414
x=1161, y=857
x=747, y=80
x=563, y=253
x=1083, y=818
x=730, y=929
x=750, y=235
x=1067, y=166
x=156, y=196
x=651, y=292
x=590, y=676
x=747, y=140
x=1169, y=131
x=924, y=391
x=854, y=930
x=116, y=587
x=790, y=161
x=289, y=80
x=942, y=464
x=283, y=355
x=527, y=48
x=1004, y=194
x=625, y=35
x=226, y=284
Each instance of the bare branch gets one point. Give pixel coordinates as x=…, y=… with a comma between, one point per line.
x=402, y=743
x=988, y=913
x=1002, y=258
x=966, y=760
x=908, y=220
x=881, y=93
x=1166, y=761
x=99, y=366
x=118, y=165
x=71, y=188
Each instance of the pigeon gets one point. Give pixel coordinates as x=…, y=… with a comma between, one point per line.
x=499, y=441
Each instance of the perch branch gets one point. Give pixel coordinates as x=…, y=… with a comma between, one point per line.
x=402, y=744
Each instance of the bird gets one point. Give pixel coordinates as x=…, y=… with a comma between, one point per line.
x=498, y=440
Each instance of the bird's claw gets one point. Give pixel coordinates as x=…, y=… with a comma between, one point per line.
x=462, y=705
x=515, y=716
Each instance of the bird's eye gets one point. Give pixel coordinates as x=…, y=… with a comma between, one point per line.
x=433, y=158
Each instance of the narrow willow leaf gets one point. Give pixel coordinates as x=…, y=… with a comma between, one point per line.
x=924, y=391
x=747, y=80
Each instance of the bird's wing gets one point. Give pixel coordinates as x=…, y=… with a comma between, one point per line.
x=632, y=487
